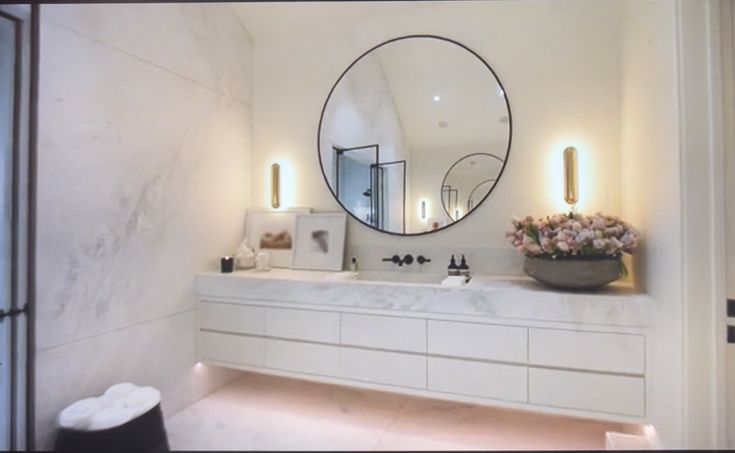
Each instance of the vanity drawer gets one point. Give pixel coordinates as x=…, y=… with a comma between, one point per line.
x=223, y=347
x=598, y=351
x=393, y=368
x=587, y=391
x=302, y=357
x=384, y=332
x=486, y=380
x=231, y=318
x=478, y=341
x=309, y=325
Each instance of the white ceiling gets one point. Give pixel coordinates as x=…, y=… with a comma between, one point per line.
x=276, y=20
x=469, y=108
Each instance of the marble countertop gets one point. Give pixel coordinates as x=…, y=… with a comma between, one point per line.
x=485, y=295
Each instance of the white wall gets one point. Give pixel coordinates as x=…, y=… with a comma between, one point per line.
x=651, y=191
x=143, y=161
x=559, y=63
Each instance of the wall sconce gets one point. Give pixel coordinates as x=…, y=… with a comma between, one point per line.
x=275, y=186
x=571, y=183
x=423, y=209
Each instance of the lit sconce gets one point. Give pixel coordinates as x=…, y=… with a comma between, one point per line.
x=423, y=209
x=275, y=186
x=571, y=183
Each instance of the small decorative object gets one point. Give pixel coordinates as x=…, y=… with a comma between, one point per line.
x=227, y=264
x=245, y=256
x=262, y=262
x=320, y=242
x=273, y=232
x=574, y=251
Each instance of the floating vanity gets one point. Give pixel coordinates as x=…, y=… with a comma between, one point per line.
x=499, y=341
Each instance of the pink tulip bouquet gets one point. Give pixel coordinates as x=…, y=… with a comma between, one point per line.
x=573, y=236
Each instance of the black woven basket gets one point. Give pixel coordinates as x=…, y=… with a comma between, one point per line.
x=145, y=433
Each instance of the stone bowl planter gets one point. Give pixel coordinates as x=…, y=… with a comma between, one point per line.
x=574, y=273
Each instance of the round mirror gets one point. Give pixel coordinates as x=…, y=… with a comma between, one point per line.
x=414, y=135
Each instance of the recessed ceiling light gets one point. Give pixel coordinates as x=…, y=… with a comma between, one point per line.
x=437, y=98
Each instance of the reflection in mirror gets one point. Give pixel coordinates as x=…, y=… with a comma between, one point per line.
x=468, y=182
x=414, y=135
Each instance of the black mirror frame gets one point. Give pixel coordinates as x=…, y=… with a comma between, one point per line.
x=339, y=79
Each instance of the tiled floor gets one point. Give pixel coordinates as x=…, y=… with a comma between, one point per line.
x=261, y=412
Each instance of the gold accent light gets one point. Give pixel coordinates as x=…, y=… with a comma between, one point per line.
x=571, y=183
x=275, y=186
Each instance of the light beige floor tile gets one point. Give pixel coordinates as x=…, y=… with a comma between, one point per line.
x=261, y=412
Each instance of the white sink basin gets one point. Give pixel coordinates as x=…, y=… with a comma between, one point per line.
x=400, y=277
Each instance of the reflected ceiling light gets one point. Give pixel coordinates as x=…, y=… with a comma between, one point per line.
x=500, y=92
x=437, y=98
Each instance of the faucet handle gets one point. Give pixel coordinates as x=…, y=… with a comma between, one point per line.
x=421, y=259
x=408, y=259
x=395, y=259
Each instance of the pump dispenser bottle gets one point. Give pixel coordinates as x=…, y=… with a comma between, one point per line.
x=464, y=269
x=452, y=269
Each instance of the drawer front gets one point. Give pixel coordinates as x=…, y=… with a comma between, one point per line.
x=383, y=332
x=587, y=350
x=321, y=326
x=486, y=380
x=587, y=391
x=478, y=341
x=302, y=357
x=222, y=347
x=231, y=318
x=393, y=368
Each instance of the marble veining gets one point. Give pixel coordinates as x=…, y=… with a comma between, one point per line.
x=495, y=297
x=139, y=134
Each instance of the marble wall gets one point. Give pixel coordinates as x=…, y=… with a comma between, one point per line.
x=144, y=156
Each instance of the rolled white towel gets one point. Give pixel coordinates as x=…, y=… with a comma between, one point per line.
x=141, y=400
x=110, y=417
x=77, y=415
x=117, y=392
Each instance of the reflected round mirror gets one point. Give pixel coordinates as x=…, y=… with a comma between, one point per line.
x=414, y=135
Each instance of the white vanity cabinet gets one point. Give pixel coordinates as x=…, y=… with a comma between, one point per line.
x=590, y=369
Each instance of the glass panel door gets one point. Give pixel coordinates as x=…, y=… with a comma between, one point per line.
x=7, y=149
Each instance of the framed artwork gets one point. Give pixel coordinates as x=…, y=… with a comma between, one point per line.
x=273, y=232
x=320, y=242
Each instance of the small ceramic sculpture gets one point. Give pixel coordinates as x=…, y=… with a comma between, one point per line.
x=245, y=256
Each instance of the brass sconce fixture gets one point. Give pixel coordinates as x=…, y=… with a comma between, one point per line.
x=571, y=183
x=275, y=186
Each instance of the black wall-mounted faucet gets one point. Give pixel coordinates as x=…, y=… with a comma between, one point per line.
x=395, y=259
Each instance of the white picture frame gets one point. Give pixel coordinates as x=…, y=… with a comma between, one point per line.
x=263, y=225
x=319, y=241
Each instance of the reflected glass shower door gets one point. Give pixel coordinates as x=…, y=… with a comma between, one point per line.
x=7, y=146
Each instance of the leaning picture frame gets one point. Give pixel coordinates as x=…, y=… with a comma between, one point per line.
x=272, y=231
x=319, y=241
